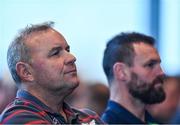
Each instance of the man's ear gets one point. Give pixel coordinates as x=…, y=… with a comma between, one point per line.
x=24, y=71
x=119, y=70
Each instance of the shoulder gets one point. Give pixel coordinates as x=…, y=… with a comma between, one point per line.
x=22, y=112
x=110, y=116
x=88, y=116
x=22, y=105
x=115, y=114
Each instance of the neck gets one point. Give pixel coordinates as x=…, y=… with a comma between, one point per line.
x=125, y=99
x=51, y=99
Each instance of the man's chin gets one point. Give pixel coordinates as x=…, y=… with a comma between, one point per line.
x=75, y=83
x=156, y=99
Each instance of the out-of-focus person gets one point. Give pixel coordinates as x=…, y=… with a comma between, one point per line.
x=98, y=95
x=165, y=111
x=92, y=95
x=7, y=91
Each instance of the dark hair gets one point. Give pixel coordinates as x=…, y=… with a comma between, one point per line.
x=120, y=49
x=18, y=50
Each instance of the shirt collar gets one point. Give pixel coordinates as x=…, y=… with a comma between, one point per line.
x=22, y=94
x=71, y=115
x=126, y=115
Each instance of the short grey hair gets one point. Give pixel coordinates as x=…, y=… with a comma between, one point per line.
x=18, y=50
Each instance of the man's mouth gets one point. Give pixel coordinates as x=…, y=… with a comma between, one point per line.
x=159, y=84
x=71, y=71
x=159, y=80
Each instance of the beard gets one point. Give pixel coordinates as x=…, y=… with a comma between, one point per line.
x=147, y=92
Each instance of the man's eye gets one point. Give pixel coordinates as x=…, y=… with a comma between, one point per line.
x=55, y=53
x=151, y=64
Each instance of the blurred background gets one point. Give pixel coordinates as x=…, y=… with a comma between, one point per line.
x=88, y=24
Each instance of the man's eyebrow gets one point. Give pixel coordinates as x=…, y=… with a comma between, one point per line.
x=52, y=50
x=55, y=48
x=153, y=61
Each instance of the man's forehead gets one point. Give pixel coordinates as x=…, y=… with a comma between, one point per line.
x=49, y=37
x=145, y=52
x=143, y=47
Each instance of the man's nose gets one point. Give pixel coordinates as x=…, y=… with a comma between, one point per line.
x=160, y=71
x=71, y=59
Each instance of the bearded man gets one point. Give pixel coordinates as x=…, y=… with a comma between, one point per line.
x=132, y=66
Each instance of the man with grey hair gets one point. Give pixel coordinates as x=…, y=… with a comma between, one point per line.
x=42, y=66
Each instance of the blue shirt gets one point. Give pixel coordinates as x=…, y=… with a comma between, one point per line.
x=117, y=114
